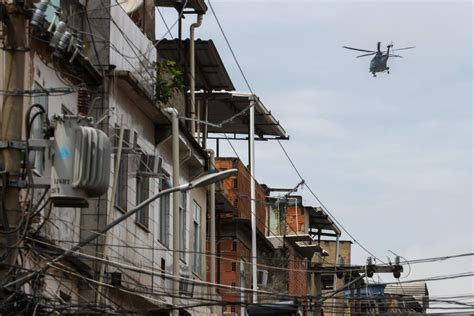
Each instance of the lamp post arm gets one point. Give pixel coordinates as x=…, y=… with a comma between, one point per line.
x=183, y=187
x=96, y=234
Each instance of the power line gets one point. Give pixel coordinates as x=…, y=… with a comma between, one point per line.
x=279, y=142
x=323, y=205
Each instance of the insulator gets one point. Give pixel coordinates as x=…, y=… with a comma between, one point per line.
x=63, y=44
x=38, y=16
x=60, y=29
x=83, y=100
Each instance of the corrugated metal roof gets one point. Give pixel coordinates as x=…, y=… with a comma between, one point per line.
x=197, y=5
x=413, y=289
x=318, y=219
x=210, y=71
x=418, y=290
x=223, y=105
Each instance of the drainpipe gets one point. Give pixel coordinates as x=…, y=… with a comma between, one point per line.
x=253, y=206
x=336, y=262
x=212, y=234
x=176, y=195
x=192, y=72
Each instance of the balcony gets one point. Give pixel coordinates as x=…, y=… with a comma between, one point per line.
x=130, y=50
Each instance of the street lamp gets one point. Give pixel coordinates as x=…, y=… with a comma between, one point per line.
x=199, y=182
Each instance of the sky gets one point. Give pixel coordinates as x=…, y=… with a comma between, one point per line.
x=391, y=156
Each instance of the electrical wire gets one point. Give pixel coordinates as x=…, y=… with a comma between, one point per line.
x=279, y=142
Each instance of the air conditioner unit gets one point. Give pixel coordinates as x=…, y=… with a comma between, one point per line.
x=80, y=167
x=186, y=285
x=130, y=139
x=150, y=166
x=262, y=277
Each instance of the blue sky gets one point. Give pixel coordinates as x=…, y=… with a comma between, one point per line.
x=390, y=156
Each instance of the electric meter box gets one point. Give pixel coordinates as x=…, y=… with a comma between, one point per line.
x=80, y=161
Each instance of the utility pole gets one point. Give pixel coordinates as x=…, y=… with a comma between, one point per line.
x=14, y=51
x=212, y=231
x=176, y=199
x=253, y=203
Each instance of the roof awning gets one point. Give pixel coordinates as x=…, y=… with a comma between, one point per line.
x=319, y=222
x=224, y=105
x=197, y=5
x=210, y=71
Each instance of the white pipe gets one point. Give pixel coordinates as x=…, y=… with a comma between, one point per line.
x=253, y=207
x=212, y=230
x=297, y=222
x=176, y=197
x=100, y=299
x=198, y=127
x=192, y=72
x=336, y=262
x=206, y=116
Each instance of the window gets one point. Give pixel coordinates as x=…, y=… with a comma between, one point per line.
x=197, y=238
x=234, y=266
x=164, y=216
x=234, y=245
x=232, y=284
x=163, y=268
x=236, y=203
x=235, y=183
x=182, y=225
x=121, y=199
x=142, y=193
x=37, y=158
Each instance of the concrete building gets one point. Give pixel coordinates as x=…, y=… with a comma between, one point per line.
x=112, y=79
x=234, y=233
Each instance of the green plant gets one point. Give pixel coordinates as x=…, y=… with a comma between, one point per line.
x=169, y=81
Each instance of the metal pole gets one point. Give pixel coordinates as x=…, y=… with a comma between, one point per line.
x=11, y=130
x=206, y=115
x=98, y=297
x=212, y=237
x=253, y=207
x=176, y=197
x=192, y=72
x=336, y=263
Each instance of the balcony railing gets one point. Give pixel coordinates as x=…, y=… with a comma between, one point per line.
x=130, y=49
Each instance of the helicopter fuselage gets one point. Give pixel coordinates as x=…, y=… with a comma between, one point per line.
x=379, y=63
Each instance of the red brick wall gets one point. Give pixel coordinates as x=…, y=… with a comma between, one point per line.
x=295, y=219
x=227, y=276
x=297, y=275
x=238, y=191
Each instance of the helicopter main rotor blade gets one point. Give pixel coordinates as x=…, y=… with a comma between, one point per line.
x=395, y=56
x=358, y=49
x=369, y=54
x=411, y=47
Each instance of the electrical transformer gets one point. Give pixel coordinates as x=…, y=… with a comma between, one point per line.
x=80, y=162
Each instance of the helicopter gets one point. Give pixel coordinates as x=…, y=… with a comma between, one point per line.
x=379, y=62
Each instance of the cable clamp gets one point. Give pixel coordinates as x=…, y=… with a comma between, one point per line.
x=12, y=180
x=16, y=144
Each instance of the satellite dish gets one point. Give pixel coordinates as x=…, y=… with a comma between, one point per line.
x=130, y=6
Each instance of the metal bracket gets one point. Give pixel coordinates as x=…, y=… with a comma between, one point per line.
x=38, y=144
x=16, y=144
x=17, y=49
x=13, y=183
